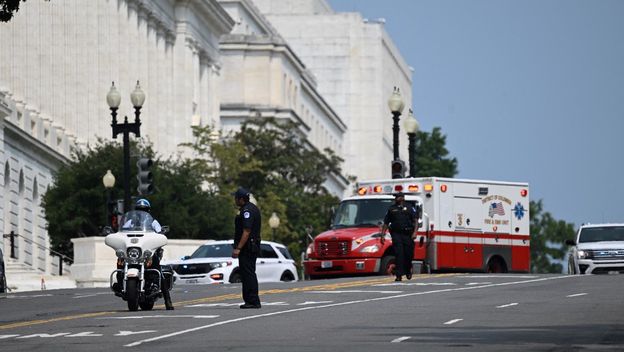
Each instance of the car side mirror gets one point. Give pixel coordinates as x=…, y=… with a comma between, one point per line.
x=570, y=242
x=186, y=257
x=164, y=230
x=107, y=230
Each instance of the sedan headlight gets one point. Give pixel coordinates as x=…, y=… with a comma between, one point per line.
x=370, y=249
x=219, y=265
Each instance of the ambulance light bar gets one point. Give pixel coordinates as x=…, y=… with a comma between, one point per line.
x=390, y=188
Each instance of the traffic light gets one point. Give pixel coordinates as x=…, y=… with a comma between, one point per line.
x=145, y=176
x=398, y=169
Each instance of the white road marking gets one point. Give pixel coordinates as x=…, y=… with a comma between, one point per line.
x=507, y=305
x=31, y=296
x=43, y=335
x=453, y=321
x=128, y=333
x=214, y=305
x=85, y=334
x=477, y=283
x=92, y=295
x=400, y=339
x=355, y=291
x=288, y=311
x=163, y=316
x=498, y=276
x=307, y=303
x=577, y=294
x=418, y=284
x=7, y=336
x=275, y=304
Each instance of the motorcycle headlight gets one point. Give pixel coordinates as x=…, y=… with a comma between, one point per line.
x=134, y=253
x=147, y=254
x=120, y=254
x=370, y=249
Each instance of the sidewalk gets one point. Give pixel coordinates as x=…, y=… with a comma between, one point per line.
x=37, y=282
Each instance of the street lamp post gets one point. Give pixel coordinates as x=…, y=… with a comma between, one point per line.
x=274, y=222
x=114, y=98
x=396, y=105
x=109, y=182
x=411, y=127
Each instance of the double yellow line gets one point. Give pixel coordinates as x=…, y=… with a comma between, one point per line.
x=231, y=296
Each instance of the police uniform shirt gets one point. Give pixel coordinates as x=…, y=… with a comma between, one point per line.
x=247, y=218
x=400, y=217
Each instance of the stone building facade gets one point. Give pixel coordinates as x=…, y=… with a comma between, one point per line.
x=263, y=77
x=56, y=66
x=356, y=65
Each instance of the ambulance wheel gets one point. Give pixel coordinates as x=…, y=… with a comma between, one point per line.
x=387, y=266
x=496, y=265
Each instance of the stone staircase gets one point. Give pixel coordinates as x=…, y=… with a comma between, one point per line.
x=21, y=277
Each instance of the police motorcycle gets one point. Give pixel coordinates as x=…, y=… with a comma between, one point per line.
x=140, y=279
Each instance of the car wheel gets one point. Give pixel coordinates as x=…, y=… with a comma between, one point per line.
x=571, y=270
x=287, y=276
x=388, y=265
x=496, y=265
x=235, y=278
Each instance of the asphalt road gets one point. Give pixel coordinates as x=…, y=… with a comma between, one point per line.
x=428, y=313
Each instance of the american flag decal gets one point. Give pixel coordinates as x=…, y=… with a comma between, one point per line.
x=496, y=208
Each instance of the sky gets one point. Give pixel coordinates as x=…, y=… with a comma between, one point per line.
x=528, y=91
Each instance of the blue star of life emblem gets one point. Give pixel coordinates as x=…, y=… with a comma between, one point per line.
x=519, y=211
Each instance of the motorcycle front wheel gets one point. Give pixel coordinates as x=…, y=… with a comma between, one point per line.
x=132, y=294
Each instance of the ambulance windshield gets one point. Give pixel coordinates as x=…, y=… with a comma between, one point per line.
x=361, y=212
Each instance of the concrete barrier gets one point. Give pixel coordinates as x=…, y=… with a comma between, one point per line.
x=94, y=261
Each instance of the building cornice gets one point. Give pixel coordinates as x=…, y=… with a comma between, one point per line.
x=41, y=151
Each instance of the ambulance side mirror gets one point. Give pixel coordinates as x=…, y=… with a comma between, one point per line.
x=332, y=214
x=422, y=241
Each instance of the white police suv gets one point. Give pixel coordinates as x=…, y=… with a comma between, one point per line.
x=599, y=248
x=212, y=263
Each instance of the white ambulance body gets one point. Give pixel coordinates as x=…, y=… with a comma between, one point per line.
x=468, y=225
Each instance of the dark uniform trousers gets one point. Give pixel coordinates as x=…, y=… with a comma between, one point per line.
x=403, y=245
x=247, y=263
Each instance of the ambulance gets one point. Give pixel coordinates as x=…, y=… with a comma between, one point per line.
x=466, y=226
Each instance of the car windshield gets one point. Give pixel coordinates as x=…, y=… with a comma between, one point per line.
x=137, y=220
x=213, y=251
x=599, y=234
x=361, y=212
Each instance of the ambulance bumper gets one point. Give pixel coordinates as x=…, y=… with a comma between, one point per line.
x=341, y=266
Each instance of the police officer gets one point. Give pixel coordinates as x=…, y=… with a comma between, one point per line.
x=402, y=219
x=247, y=246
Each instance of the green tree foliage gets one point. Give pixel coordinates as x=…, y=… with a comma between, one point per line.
x=75, y=205
x=8, y=8
x=432, y=156
x=286, y=175
x=547, y=239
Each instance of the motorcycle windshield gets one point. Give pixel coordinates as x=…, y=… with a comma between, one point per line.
x=136, y=220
